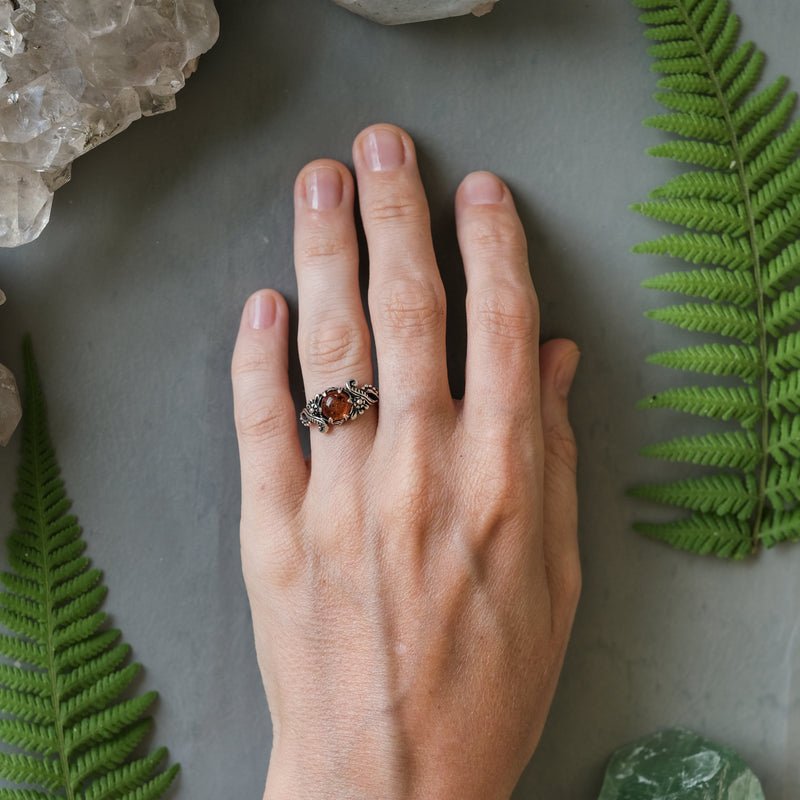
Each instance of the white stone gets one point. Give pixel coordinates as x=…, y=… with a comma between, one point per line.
x=398, y=12
x=78, y=72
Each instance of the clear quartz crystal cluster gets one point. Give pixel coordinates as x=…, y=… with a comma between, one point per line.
x=73, y=73
x=10, y=406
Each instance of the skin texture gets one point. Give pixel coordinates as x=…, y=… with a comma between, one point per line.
x=414, y=584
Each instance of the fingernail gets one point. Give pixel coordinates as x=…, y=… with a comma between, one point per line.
x=261, y=311
x=324, y=189
x=482, y=188
x=383, y=150
x=566, y=373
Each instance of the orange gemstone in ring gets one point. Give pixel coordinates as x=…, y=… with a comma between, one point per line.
x=336, y=406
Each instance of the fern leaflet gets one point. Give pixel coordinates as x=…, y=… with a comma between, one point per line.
x=63, y=697
x=741, y=215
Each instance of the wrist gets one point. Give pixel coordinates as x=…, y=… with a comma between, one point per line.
x=335, y=769
x=335, y=777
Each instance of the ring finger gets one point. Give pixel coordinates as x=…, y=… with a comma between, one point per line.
x=333, y=336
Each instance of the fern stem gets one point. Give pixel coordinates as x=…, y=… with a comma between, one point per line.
x=35, y=425
x=763, y=465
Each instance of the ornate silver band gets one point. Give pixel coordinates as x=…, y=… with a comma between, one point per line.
x=337, y=405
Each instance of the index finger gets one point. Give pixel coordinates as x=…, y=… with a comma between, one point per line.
x=274, y=474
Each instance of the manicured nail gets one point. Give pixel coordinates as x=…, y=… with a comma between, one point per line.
x=566, y=373
x=261, y=311
x=482, y=188
x=383, y=150
x=324, y=189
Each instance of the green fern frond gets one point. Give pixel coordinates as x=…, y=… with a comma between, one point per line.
x=691, y=82
x=63, y=699
x=701, y=248
x=783, y=485
x=713, y=284
x=779, y=226
x=782, y=269
x=763, y=131
x=784, y=395
x=29, y=769
x=741, y=212
x=775, y=158
x=704, y=534
x=97, y=761
x=784, y=439
x=699, y=185
x=701, y=214
x=719, y=402
x=702, y=154
x=758, y=106
x=776, y=192
x=740, y=323
x=693, y=124
x=784, y=355
x=736, y=450
x=714, y=359
x=783, y=312
x=721, y=493
x=781, y=526
x=688, y=103
x=126, y=778
x=22, y=794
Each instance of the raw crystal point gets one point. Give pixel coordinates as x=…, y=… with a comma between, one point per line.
x=397, y=12
x=25, y=200
x=678, y=765
x=73, y=73
x=10, y=406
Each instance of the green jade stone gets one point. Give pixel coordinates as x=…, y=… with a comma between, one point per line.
x=677, y=764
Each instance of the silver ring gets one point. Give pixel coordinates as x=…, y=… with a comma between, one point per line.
x=337, y=405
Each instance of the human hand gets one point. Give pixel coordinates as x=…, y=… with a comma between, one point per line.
x=412, y=587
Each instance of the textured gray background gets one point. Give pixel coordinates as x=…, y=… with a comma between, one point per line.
x=133, y=295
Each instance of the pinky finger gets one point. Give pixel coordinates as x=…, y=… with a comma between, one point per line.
x=558, y=360
x=274, y=474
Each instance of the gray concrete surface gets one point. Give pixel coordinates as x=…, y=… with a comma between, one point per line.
x=133, y=295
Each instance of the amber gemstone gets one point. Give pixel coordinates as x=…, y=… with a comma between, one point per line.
x=336, y=405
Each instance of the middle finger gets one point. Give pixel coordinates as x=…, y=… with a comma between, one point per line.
x=406, y=296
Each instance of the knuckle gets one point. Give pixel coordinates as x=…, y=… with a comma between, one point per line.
x=322, y=247
x=509, y=449
x=406, y=503
x=412, y=307
x=505, y=314
x=498, y=236
x=273, y=560
x=498, y=493
x=335, y=344
x=246, y=364
x=498, y=481
x=258, y=420
x=407, y=511
x=394, y=208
